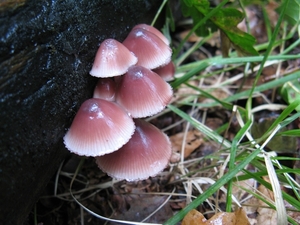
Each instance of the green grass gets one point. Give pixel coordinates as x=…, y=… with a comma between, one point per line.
x=243, y=154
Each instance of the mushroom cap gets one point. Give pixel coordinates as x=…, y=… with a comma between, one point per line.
x=99, y=127
x=152, y=30
x=112, y=59
x=142, y=92
x=166, y=72
x=150, y=50
x=105, y=89
x=146, y=154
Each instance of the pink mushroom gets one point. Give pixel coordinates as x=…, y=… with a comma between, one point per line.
x=153, y=30
x=166, y=72
x=150, y=50
x=105, y=89
x=142, y=92
x=146, y=154
x=112, y=59
x=99, y=127
x=126, y=148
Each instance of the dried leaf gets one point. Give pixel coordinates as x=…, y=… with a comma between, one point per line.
x=193, y=141
x=223, y=219
x=238, y=217
x=193, y=218
x=241, y=217
x=266, y=215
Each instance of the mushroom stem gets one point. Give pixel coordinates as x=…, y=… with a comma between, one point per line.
x=105, y=89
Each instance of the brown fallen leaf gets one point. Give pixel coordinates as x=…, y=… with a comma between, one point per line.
x=241, y=217
x=238, y=217
x=194, y=139
x=266, y=215
x=193, y=218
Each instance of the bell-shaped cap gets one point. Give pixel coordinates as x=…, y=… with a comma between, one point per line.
x=146, y=154
x=105, y=89
x=112, y=59
x=99, y=127
x=153, y=30
x=142, y=92
x=166, y=72
x=150, y=50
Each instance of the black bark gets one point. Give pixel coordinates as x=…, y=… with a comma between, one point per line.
x=46, y=51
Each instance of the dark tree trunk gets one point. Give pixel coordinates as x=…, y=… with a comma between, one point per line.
x=46, y=51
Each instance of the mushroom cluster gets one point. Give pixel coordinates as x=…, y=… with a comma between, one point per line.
x=132, y=86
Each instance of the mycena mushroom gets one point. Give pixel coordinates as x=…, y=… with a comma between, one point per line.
x=146, y=154
x=152, y=30
x=127, y=88
x=150, y=50
x=142, y=92
x=99, y=127
x=112, y=59
x=105, y=89
x=166, y=72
